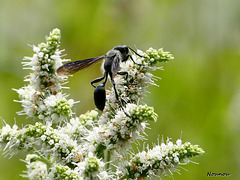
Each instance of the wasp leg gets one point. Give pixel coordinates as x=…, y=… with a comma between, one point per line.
x=123, y=73
x=126, y=73
x=129, y=56
x=116, y=94
x=99, y=79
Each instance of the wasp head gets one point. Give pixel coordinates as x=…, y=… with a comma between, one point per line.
x=123, y=50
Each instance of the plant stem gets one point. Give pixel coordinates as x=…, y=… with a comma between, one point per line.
x=108, y=159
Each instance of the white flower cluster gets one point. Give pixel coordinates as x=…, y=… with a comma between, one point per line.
x=43, y=98
x=91, y=168
x=60, y=172
x=160, y=160
x=91, y=146
x=52, y=141
x=79, y=128
x=59, y=146
x=121, y=131
x=36, y=170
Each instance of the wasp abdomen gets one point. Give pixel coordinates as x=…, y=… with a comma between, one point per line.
x=100, y=96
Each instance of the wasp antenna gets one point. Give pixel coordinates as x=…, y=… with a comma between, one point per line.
x=136, y=53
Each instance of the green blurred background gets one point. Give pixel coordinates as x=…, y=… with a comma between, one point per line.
x=199, y=94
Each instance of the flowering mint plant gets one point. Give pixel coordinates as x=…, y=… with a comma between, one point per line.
x=92, y=146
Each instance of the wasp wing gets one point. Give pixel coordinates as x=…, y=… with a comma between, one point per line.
x=73, y=67
x=115, y=65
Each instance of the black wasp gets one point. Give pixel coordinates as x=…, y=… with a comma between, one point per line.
x=111, y=66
